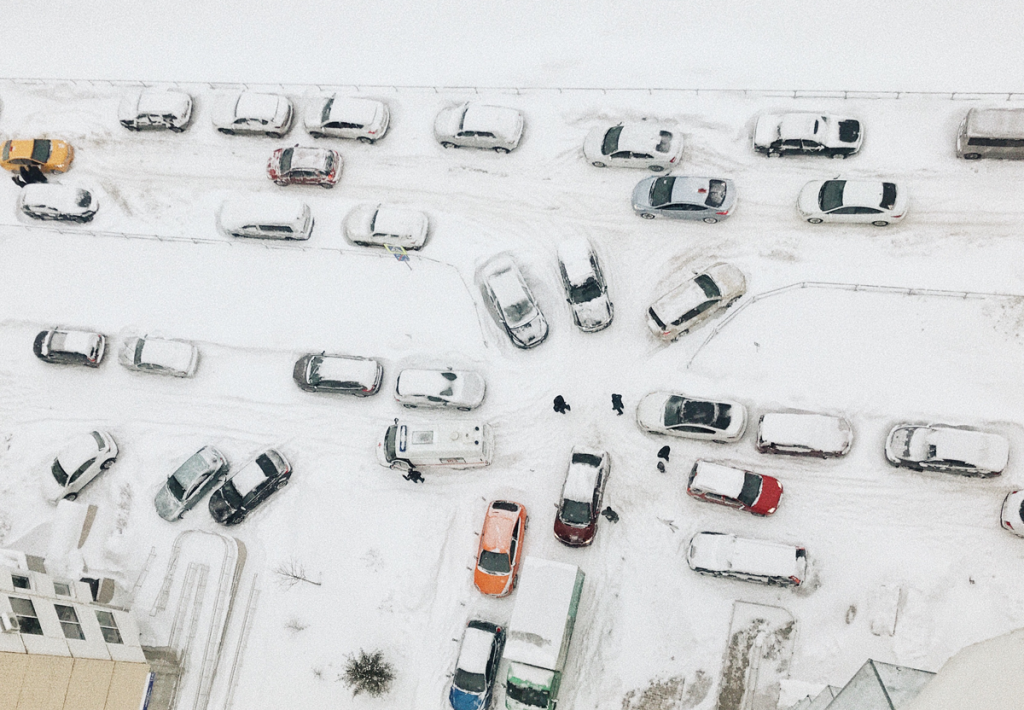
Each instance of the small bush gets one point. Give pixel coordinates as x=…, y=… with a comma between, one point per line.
x=369, y=673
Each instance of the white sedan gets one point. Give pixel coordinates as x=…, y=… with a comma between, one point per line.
x=950, y=449
x=47, y=200
x=159, y=356
x=853, y=201
x=382, y=225
x=680, y=415
x=337, y=116
x=634, y=145
x=462, y=389
x=694, y=301
x=473, y=125
x=252, y=112
x=84, y=458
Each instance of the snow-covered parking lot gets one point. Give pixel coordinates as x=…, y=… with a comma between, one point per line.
x=394, y=558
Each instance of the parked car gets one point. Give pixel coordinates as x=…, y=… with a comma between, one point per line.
x=380, y=225
x=584, y=284
x=501, y=548
x=723, y=555
x=249, y=487
x=473, y=125
x=679, y=415
x=442, y=444
x=344, y=374
x=952, y=449
x=991, y=133
x=365, y=120
x=64, y=346
x=62, y=203
x=81, y=460
x=636, y=144
x=677, y=197
x=305, y=166
x=50, y=156
x=265, y=217
x=807, y=133
x=253, y=112
x=514, y=303
x=852, y=201
x=582, y=492
x=1012, y=514
x=159, y=356
x=191, y=481
x=477, y=666
x=156, y=109
x=708, y=294
x=462, y=389
x=804, y=434
x=734, y=487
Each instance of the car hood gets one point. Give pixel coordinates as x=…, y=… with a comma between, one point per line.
x=642, y=192
x=650, y=411
x=807, y=203
x=220, y=509
x=461, y=700
x=532, y=332
x=593, y=314
x=446, y=124
x=167, y=505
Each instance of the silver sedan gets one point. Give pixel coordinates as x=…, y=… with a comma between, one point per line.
x=707, y=199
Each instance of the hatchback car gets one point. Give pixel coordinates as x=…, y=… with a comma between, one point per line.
x=249, y=487
x=584, y=285
x=473, y=125
x=693, y=302
x=941, y=447
x=305, y=166
x=70, y=347
x=477, y=667
x=707, y=199
x=804, y=434
x=852, y=201
x=380, y=225
x=514, y=303
x=734, y=487
x=50, y=156
x=634, y=145
x=1012, y=514
x=159, y=356
x=156, y=109
x=343, y=374
x=191, y=481
x=62, y=203
x=462, y=389
x=807, y=134
x=253, y=112
x=501, y=548
x=679, y=415
x=365, y=120
x=580, y=504
x=80, y=461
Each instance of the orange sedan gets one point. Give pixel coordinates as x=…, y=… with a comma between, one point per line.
x=50, y=156
x=501, y=548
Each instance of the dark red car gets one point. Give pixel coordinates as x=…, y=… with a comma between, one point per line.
x=305, y=166
x=580, y=505
x=734, y=487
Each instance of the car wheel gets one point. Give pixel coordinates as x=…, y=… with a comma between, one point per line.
x=226, y=131
x=880, y=223
x=107, y=464
x=647, y=215
x=276, y=135
x=409, y=406
x=327, y=185
x=71, y=496
x=364, y=139
x=316, y=134
x=501, y=151
x=838, y=156
x=815, y=220
x=972, y=156
x=448, y=144
x=464, y=409
x=656, y=168
x=599, y=164
x=282, y=183
x=711, y=220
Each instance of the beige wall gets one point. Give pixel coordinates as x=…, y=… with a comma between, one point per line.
x=36, y=682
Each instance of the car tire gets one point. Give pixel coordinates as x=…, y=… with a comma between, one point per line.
x=711, y=220
x=647, y=215
x=448, y=144
x=282, y=183
x=656, y=168
x=107, y=464
x=815, y=220
x=599, y=164
x=837, y=156
x=172, y=129
x=409, y=406
x=226, y=131
x=501, y=151
x=880, y=223
x=315, y=134
x=972, y=156
x=275, y=135
x=327, y=185
x=365, y=140
x=464, y=409
x=71, y=496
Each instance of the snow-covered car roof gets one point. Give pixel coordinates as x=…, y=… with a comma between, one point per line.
x=498, y=526
x=506, y=282
x=476, y=650
x=339, y=368
x=863, y=193
x=574, y=253
x=352, y=110
x=309, y=158
x=262, y=209
x=642, y=138
x=978, y=448
x=65, y=198
x=74, y=341
x=820, y=432
x=397, y=220
x=163, y=102
x=76, y=452
x=500, y=121
x=430, y=382
x=172, y=354
x=996, y=122
x=719, y=478
x=801, y=126
x=248, y=478
x=554, y=583
x=251, y=104
x=681, y=299
x=581, y=478
x=759, y=557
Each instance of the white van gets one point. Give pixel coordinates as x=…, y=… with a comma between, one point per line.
x=804, y=434
x=265, y=217
x=991, y=133
x=725, y=555
x=448, y=444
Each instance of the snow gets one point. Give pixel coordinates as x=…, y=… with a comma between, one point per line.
x=502, y=122
x=719, y=479
x=157, y=102
x=818, y=432
x=988, y=451
x=75, y=341
x=347, y=369
x=744, y=555
x=476, y=649
x=252, y=104
x=172, y=354
x=995, y=123
x=580, y=482
x=248, y=477
x=397, y=221
x=541, y=611
x=349, y=110
x=800, y=126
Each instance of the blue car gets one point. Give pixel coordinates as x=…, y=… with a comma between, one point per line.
x=477, y=667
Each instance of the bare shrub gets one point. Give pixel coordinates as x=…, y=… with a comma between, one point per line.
x=368, y=673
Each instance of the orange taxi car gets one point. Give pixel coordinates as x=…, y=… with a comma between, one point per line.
x=50, y=156
x=497, y=562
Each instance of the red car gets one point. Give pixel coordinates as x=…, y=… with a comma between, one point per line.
x=576, y=521
x=734, y=487
x=305, y=166
x=501, y=548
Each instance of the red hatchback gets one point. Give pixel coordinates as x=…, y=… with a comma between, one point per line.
x=305, y=166
x=734, y=487
x=580, y=506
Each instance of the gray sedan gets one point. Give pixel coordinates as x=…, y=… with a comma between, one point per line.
x=193, y=479
x=707, y=199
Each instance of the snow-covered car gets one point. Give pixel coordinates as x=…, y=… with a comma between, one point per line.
x=513, y=302
x=365, y=120
x=265, y=217
x=344, y=374
x=381, y=224
x=70, y=347
x=584, y=284
x=634, y=145
x=63, y=203
x=159, y=356
x=734, y=487
x=679, y=415
x=81, y=460
x=156, y=109
x=852, y=201
x=724, y=555
x=804, y=434
x=462, y=389
x=191, y=481
x=477, y=666
x=253, y=112
x=249, y=487
x=305, y=166
x=677, y=197
x=50, y=156
x=501, y=548
x=473, y=125
x=579, y=505
x=1011, y=515
x=807, y=133
x=952, y=449
x=708, y=294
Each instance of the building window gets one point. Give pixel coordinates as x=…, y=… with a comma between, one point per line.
x=69, y=622
x=21, y=582
x=62, y=589
x=108, y=627
x=26, y=614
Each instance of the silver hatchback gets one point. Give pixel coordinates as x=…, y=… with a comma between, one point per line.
x=707, y=199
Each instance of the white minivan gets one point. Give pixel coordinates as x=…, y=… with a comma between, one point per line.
x=725, y=555
x=265, y=217
x=804, y=434
x=438, y=444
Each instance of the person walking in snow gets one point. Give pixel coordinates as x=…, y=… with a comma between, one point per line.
x=617, y=404
x=560, y=405
x=612, y=516
x=414, y=476
x=31, y=174
x=663, y=452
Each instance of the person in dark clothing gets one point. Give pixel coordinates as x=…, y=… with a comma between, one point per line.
x=663, y=452
x=612, y=516
x=617, y=403
x=414, y=476
x=31, y=174
x=19, y=181
x=661, y=466
x=561, y=406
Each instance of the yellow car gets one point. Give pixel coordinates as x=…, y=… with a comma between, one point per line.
x=49, y=156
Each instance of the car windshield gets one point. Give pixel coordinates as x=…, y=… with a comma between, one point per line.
x=59, y=473
x=586, y=459
x=661, y=191
x=389, y=443
x=495, y=562
x=517, y=312
x=326, y=113
x=286, y=159
x=266, y=465
x=611, y=140
x=534, y=697
x=888, y=195
x=470, y=682
x=716, y=193
x=231, y=495
x=84, y=199
x=175, y=488
x=751, y=489
x=831, y=195
x=41, y=150
x=664, y=142
x=575, y=513
x=708, y=286
x=329, y=163
x=679, y=410
x=655, y=318
x=585, y=292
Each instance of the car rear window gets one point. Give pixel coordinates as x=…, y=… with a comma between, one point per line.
x=751, y=489
x=716, y=193
x=849, y=131
x=655, y=318
x=505, y=505
x=888, y=195
x=7, y=150
x=611, y=140
x=665, y=142
x=708, y=286
x=575, y=512
x=830, y=196
x=661, y=191
x=587, y=459
x=41, y=150
x=286, y=160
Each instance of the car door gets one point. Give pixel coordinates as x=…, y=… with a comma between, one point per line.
x=853, y=214
x=685, y=210
x=513, y=548
x=695, y=315
x=694, y=430
x=791, y=146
